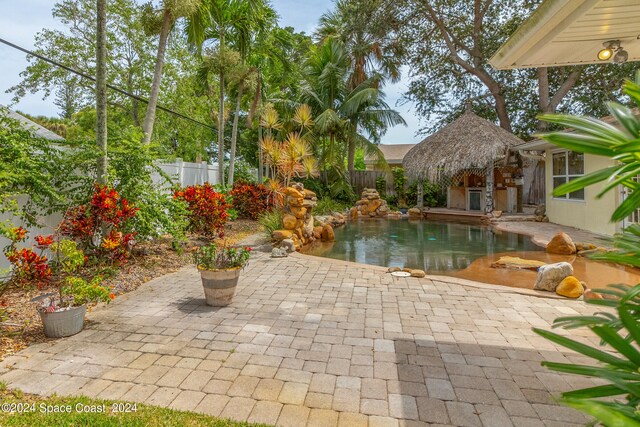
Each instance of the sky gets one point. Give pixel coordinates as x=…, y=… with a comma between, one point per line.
x=21, y=20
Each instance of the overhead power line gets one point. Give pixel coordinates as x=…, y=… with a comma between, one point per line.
x=93, y=79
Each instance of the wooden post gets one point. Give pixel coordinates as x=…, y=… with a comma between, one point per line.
x=420, y=195
x=488, y=206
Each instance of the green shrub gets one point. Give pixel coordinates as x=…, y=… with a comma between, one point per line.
x=271, y=221
x=381, y=185
x=28, y=165
x=433, y=195
x=399, y=181
x=327, y=206
x=241, y=172
x=338, y=189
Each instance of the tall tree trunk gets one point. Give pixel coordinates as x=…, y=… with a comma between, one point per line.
x=101, y=90
x=543, y=95
x=234, y=134
x=221, y=118
x=147, y=127
x=548, y=103
x=260, y=157
x=221, y=132
x=351, y=150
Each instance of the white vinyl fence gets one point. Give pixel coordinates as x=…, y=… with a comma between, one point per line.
x=187, y=173
x=180, y=172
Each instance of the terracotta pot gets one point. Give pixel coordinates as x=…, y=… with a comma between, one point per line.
x=63, y=323
x=219, y=286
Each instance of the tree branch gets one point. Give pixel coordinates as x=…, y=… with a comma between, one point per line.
x=564, y=88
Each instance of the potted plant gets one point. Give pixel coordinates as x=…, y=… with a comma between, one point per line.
x=63, y=313
x=220, y=269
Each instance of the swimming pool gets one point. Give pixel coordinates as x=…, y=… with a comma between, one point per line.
x=433, y=246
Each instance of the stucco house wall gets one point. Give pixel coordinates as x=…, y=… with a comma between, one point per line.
x=590, y=214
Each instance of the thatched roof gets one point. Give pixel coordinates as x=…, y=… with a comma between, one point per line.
x=470, y=142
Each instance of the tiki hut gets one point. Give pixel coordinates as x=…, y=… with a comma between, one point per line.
x=469, y=156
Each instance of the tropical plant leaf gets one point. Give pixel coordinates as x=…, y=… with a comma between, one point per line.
x=625, y=117
x=581, y=143
x=594, y=392
x=591, y=371
x=584, y=181
x=588, y=126
x=585, y=349
x=608, y=415
x=611, y=337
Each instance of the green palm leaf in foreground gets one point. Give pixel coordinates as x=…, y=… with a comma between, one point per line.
x=618, y=361
x=619, y=142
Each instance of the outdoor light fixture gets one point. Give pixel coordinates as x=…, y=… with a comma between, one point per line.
x=611, y=47
x=621, y=56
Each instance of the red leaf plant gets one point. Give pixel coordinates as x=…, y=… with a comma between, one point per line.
x=101, y=225
x=251, y=200
x=207, y=209
x=29, y=267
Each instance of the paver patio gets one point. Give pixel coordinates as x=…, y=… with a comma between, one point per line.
x=310, y=341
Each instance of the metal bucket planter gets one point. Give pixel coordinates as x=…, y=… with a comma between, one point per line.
x=219, y=286
x=63, y=323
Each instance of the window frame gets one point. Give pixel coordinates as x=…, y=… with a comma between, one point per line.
x=567, y=176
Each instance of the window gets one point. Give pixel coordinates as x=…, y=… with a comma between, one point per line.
x=568, y=165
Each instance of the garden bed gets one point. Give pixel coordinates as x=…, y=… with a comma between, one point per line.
x=21, y=325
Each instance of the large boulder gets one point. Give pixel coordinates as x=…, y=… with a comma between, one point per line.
x=561, y=244
x=327, y=233
x=415, y=212
x=374, y=205
x=289, y=245
x=309, y=204
x=280, y=235
x=570, y=287
x=293, y=193
x=308, y=226
x=354, y=213
x=299, y=212
x=289, y=222
x=295, y=201
x=550, y=276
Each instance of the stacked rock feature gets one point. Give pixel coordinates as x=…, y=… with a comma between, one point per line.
x=370, y=205
x=298, y=225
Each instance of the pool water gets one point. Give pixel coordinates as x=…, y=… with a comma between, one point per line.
x=433, y=246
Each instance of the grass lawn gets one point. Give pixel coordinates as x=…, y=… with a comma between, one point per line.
x=39, y=411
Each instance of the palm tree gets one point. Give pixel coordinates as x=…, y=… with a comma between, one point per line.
x=220, y=20
x=172, y=10
x=343, y=112
x=273, y=64
x=367, y=33
x=246, y=39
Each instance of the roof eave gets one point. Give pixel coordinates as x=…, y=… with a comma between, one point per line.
x=535, y=145
x=545, y=21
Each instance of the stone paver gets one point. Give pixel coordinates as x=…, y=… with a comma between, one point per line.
x=309, y=341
